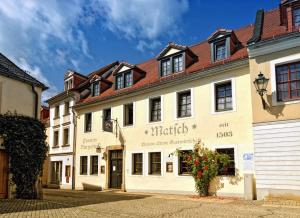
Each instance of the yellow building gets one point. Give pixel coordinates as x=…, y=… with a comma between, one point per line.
x=20, y=93
x=275, y=52
x=132, y=118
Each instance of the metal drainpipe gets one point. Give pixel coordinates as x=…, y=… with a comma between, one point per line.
x=74, y=145
x=36, y=101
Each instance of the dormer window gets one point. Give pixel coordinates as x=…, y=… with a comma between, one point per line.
x=126, y=75
x=124, y=80
x=175, y=59
x=296, y=17
x=95, y=89
x=69, y=84
x=223, y=43
x=220, y=50
x=166, y=67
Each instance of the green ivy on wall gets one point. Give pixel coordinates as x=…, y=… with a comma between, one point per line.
x=24, y=141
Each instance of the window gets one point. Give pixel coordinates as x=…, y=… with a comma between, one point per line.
x=154, y=163
x=127, y=79
x=67, y=108
x=128, y=114
x=66, y=137
x=56, y=113
x=124, y=80
x=296, y=17
x=155, y=109
x=119, y=82
x=230, y=169
x=55, y=138
x=95, y=89
x=166, y=67
x=184, y=104
x=68, y=84
x=178, y=63
x=137, y=164
x=288, y=82
x=184, y=169
x=220, y=51
x=223, y=96
x=83, y=165
x=94, y=165
x=88, y=122
x=106, y=116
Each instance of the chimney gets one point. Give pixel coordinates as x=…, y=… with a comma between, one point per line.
x=289, y=14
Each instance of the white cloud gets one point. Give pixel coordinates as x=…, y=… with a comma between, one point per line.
x=142, y=19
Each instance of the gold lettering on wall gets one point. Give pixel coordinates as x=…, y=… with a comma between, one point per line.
x=224, y=130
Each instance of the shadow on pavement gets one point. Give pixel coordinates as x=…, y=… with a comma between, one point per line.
x=57, y=199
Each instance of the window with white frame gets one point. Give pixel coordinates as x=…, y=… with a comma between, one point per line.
x=88, y=122
x=56, y=138
x=155, y=109
x=83, y=165
x=128, y=114
x=154, y=163
x=228, y=170
x=184, y=104
x=94, y=165
x=66, y=137
x=223, y=96
x=137, y=163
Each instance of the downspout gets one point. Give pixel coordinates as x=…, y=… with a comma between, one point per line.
x=36, y=96
x=74, y=145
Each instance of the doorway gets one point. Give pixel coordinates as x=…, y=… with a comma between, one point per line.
x=56, y=172
x=3, y=174
x=116, y=169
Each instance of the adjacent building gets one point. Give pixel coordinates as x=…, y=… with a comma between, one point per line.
x=275, y=52
x=19, y=93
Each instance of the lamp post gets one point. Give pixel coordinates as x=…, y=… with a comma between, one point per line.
x=261, y=83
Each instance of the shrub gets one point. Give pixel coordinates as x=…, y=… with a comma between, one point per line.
x=204, y=165
x=24, y=141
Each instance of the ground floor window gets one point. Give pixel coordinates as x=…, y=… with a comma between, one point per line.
x=56, y=172
x=137, y=164
x=184, y=169
x=154, y=163
x=94, y=165
x=83, y=165
x=230, y=169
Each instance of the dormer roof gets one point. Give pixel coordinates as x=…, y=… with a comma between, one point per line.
x=219, y=33
x=124, y=66
x=173, y=48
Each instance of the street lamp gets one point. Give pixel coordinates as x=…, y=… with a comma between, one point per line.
x=261, y=83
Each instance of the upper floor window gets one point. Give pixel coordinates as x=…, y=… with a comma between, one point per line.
x=220, y=51
x=172, y=65
x=88, y=122
x=124, y=80
x=67, y=108
x=128, y=114
x=296, y=17
x=95, y=89
x=223, y=96
x=184, y=104
x=106, y=117
x=56, y=113
x=288, y=82
x=165, y=67
x=66, y=139
x=56, y=139
x=155, y=109
x=68, y=84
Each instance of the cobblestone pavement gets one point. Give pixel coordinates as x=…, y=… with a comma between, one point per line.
x=59, y=203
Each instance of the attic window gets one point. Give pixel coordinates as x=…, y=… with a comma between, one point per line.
x=220, y=50
x=95, y=89
x=296, y=17
x=68, y=84
x=171, y=65
x=124, y=80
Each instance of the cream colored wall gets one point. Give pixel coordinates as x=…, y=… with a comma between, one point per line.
x=17, y=96
x=208, y=125
x=273, y=112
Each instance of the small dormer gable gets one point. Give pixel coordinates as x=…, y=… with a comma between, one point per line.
x=73, y=79
x=174, y=58
x=223, y=43
x=127, y=75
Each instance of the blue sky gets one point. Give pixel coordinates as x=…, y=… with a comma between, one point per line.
x=48, y=37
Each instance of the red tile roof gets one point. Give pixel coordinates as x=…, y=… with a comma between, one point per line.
x=202, y=50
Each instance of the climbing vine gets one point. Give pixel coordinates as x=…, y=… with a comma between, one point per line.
x=24, y=141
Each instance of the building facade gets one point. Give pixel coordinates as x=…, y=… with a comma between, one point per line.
x=275, y=52
x=61, y=133
x=14, y=81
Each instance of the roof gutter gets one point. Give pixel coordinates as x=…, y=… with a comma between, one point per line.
x=36, y=98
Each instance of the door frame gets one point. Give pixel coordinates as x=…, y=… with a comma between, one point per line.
x=108, y=173
x=7, y=175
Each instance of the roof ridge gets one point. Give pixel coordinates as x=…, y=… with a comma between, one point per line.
x=271, y=10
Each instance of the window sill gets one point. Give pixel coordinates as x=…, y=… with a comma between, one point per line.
x=184, y=175
x=223, y=111
x=67, y=114
x=278, y=103
x=65, y=146
x=55, y=147
x=55, y=118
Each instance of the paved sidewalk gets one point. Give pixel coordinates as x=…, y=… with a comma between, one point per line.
x=60, y=203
